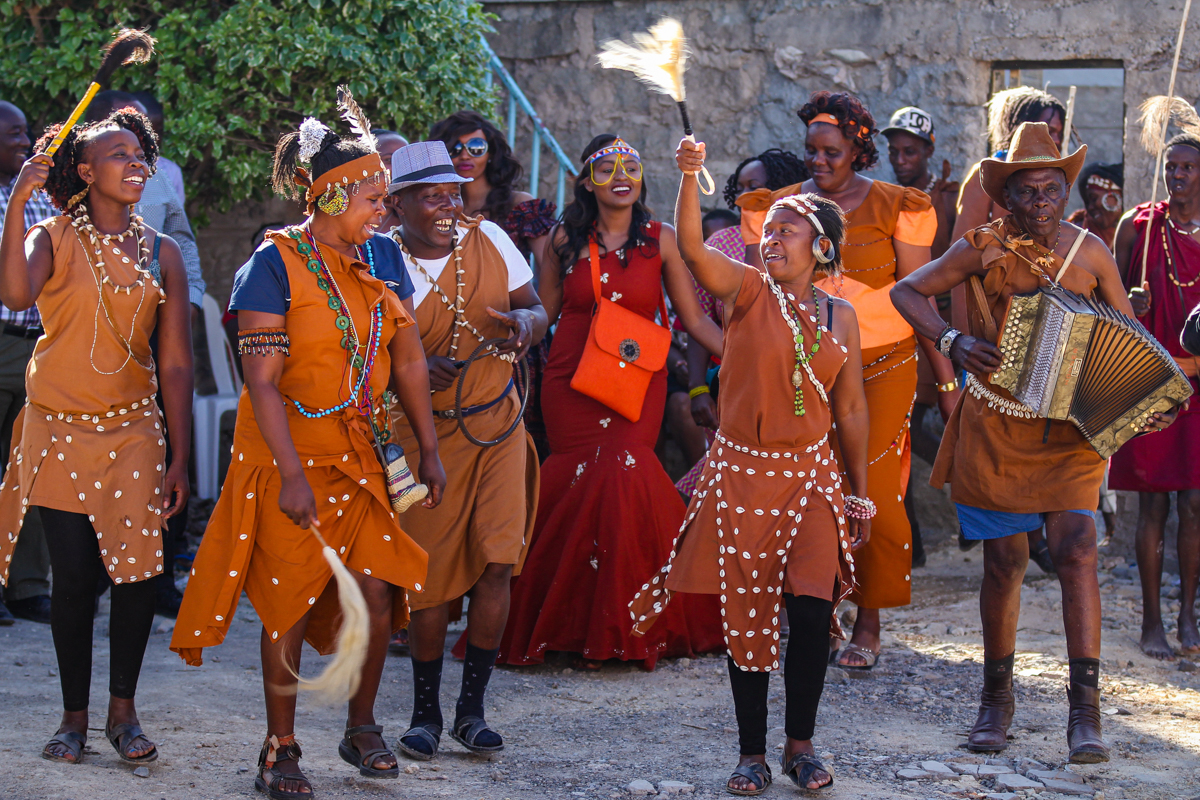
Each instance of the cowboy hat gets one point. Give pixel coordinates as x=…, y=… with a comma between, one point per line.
x=1031, y=148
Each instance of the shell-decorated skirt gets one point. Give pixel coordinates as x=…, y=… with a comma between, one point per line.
x=108, y=466
x=762, y=522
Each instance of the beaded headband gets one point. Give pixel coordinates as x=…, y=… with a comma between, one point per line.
x=1101, y=182
x=619, y=146
x=863, y=133
x=360, y=169
x=803, y=205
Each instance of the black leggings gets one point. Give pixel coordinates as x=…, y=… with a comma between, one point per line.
x=76, y=567
x=803, y=678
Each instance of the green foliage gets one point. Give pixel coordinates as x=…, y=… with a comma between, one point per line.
x=234, y=75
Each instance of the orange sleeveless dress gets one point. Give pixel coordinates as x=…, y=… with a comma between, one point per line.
x=249, y=543
x=767, y=515
x=89, y=439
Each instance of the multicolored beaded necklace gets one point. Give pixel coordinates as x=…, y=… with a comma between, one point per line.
x=360, y=393
x=792, y=318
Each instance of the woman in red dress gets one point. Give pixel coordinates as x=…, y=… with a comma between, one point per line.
x=607, y=511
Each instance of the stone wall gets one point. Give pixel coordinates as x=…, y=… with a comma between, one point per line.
x=756, y=62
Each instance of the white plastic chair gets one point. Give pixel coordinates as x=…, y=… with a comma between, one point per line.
x=207, y=409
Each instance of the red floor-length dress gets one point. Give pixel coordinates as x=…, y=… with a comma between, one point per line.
x=607, y=512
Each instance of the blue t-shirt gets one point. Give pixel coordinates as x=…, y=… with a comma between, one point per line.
x=261, y=284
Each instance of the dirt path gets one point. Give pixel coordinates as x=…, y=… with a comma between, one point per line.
x=578, y=734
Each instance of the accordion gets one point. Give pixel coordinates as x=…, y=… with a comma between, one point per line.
x=1067, y=357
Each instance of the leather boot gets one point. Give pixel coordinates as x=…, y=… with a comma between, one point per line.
x=989, y=734
x=1083, y=725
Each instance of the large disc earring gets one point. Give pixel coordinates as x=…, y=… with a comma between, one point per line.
x=823, y=254
x=334, y=201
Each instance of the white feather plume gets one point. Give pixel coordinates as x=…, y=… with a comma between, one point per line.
x=1157, y=112
x=353, y=114
x=312, y=133
x=657, y=58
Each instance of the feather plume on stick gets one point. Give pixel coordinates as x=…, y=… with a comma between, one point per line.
x=1159, y=112
x=353, y=114
x=340, y=679
x=657, y=58
x=128, y=46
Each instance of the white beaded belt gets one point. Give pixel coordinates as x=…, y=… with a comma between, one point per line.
x=720, y=437
x=1010, y=407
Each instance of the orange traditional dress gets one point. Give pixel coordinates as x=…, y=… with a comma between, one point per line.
x=249, y=543
x=767, y=516
x=487, y=511
x=89, y=439
x=995, y=460
x=888, y=214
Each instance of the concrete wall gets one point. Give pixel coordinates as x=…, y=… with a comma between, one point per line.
x=756, y=62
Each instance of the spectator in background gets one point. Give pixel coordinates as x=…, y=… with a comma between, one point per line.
x=1100, y=189
x=28, y=589
x=718, y=220
x=388, y=143
x=170, y=170
x=911, y=137
x=161, y=207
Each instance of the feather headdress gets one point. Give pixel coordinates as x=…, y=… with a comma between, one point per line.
x=657, y=58
x=1157, y=113
x=353, y=114
x=128, y=46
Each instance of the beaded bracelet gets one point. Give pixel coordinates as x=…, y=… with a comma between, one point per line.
x=860, y=507
x=263, y=342
x=696, y=391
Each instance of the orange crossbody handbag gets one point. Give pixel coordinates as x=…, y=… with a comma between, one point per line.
x=623, y=351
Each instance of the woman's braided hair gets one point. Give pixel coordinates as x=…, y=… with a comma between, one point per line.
x=1009, y=108
x=783, y=167
x=856, y=122
x=64, y=182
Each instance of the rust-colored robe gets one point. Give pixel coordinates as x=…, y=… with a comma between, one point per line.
x=1003, y=463
x=249, y=543
x=767, y=516
x=89, y=439
x=487, y=512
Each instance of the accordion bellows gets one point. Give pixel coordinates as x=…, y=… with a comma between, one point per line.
x=1065, y=356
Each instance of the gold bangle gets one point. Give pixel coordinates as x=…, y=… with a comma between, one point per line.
x=948, y=387
x=696, y=391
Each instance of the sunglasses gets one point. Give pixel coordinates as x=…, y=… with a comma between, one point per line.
x=476, y=146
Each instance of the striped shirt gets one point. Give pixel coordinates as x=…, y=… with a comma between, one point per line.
x=37, y=209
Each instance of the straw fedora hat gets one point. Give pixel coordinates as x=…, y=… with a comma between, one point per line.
x=1031, y=148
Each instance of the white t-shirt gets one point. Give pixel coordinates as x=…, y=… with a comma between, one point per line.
x=519, y=272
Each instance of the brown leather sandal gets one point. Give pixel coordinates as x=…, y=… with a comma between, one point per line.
x=274, y=750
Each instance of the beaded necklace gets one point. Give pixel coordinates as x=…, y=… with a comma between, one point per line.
x=96, y=241
x=792, y=318
x=458, y=305
x=1171, y=271
x=360, y=391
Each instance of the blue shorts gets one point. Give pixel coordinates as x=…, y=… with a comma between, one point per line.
x=978, y=524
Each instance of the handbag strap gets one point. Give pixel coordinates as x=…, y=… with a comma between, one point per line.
x=594, y=258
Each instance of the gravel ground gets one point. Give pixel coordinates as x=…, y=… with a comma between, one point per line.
x=583, y=734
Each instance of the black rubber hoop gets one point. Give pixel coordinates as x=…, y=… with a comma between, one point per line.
x=520, y=378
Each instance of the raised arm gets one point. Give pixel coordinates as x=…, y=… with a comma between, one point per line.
x=719, y=274
x=682, y=292
x=25, y=266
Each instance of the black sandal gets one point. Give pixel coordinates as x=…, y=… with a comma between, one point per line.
x=800, y=769
x=71, y=740
x=123, y=735
x=755, y=772
x=365, y=761
x=268, y=778
x=429, y=733
x=466, y=731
